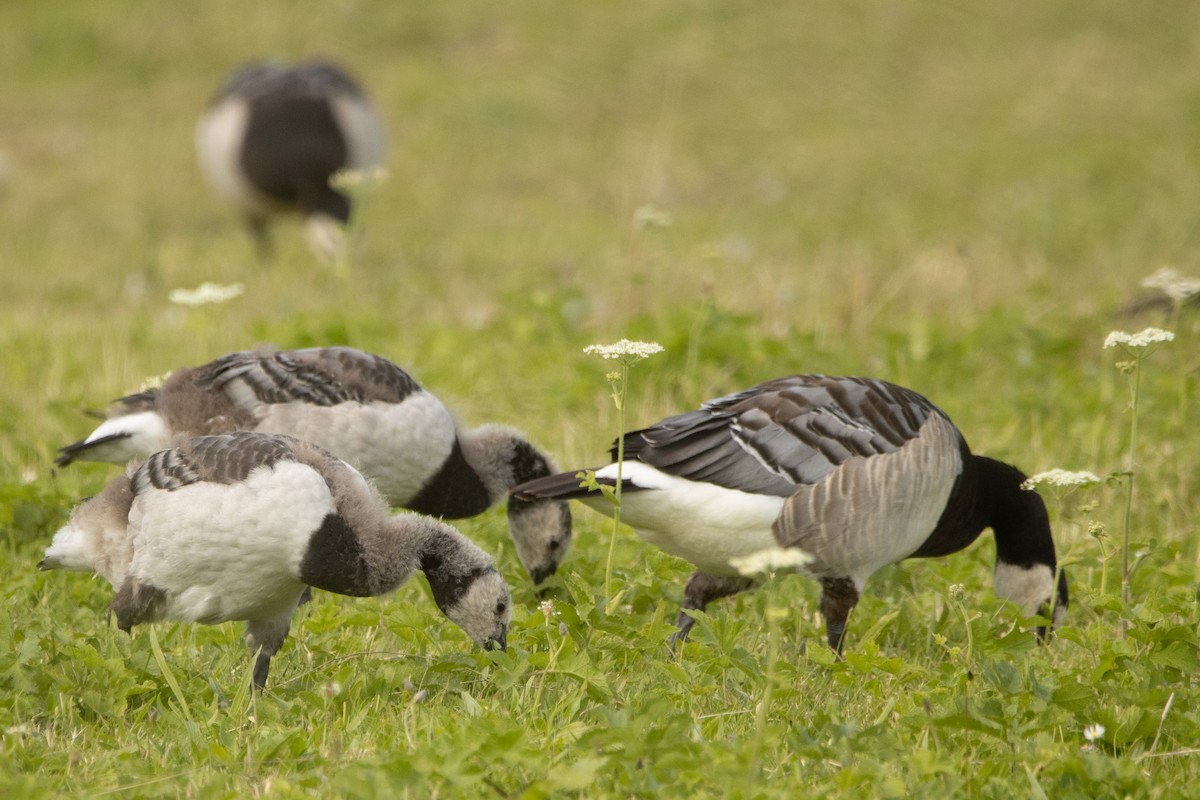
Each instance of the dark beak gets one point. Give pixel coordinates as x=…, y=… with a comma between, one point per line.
x=500, y=643
x=541, y=573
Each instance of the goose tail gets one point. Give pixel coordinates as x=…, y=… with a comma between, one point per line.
x=119, y=440
x=68, y=550
x=561, y=486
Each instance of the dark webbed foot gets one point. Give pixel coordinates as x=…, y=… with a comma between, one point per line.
x=262, y=666
x=838, y=598
x=265, y=637
x=702, y=589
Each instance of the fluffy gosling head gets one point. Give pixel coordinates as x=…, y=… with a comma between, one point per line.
x=541, y=533
x=482, y=609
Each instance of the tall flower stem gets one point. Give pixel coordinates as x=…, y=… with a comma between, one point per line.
x=1138, y=346
x=619, y=393
x=626, y=353
x=1131, y=465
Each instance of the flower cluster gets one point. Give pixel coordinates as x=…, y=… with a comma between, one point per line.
x=772, y=559
x=1140, y=339
x=624, y=349
x=649, y=216
x=1062, y=479
x=1175, y=286
x=153, y=382
x=205, y=293
x=352, y=179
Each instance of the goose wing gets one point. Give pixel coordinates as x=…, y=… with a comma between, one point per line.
x=225, y=458
x=134, y=403
x=783, y=434
x=322, y=376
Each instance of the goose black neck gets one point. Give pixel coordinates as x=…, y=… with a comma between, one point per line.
x=1017, y=516
x=455, y=491
x=359, y=563
x=988, y=494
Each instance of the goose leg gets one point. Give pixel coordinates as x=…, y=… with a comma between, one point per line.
x=136, y=603
x=266, y=637
x=701, y=590
x=261, y=233
x=838, y=597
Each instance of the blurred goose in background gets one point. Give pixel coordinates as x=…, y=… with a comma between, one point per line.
x=855, y=473
x=235, y=526
x=274, y=135
x=365, y=410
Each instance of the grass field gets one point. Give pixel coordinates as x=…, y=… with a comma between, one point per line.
x=960, y=198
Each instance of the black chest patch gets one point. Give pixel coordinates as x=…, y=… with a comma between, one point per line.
x=454, y=492
x=335, y=560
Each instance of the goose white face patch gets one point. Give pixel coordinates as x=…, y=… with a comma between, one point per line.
x=1028, y=587
x=484, y=610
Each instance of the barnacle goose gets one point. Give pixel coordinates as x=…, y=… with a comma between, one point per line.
x=856, y=473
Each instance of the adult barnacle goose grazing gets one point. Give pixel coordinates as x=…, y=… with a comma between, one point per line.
x=365, y=410
x=857, y=473
x=235, y=526
x=274, y=135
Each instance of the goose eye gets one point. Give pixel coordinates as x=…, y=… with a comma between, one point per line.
x=501, y=607
x=554, y=544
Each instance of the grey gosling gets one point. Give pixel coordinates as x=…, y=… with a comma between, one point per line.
x=236, y=526
x=365, y=410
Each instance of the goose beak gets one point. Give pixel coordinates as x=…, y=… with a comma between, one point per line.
x=541, y=573
x=499, y=643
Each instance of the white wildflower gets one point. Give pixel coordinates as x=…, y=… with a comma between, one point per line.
x=352, y=179
x=206, y=292
x=624, y=349
x=153, y=382
x=1093, y=732
x=771, y=559
x=547, y=608
x=1061, y=478
x=649, y=216
x=1140, y=339
x=955, y=590
x=1175, y=286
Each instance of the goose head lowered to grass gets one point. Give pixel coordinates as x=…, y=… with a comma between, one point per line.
x=365, y=410
x=273, y=137
x=856, y=473
x=236, y=526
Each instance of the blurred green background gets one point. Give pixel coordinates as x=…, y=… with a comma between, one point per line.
x=959, y=197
